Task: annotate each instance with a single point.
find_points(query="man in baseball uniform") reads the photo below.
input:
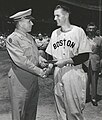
(23, 76)
(69, 48)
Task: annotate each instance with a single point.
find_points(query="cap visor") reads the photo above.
(29, 17)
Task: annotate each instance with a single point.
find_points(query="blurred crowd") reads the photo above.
(42, 42)
(2, 41)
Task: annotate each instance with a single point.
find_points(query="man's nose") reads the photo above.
(31, 23)
(91, 29)
(55, 18)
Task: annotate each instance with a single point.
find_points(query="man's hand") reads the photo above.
(43, 73)
(43, 62)
(48, 70)
(62, 62)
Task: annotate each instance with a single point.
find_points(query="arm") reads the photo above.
(43, 62)
(76, 60)
(18, 57)
(81, 58)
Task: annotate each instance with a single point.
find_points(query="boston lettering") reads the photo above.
(64, 42)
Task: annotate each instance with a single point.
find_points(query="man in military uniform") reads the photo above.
(23, 76)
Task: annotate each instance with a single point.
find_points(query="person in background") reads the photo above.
(42, 44)
(94, 62)
(98, 33)
(26, 61)
(69, 48)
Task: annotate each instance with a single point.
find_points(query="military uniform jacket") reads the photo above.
(25, 57)
(96, 55)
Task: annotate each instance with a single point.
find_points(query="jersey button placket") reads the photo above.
(64, 46)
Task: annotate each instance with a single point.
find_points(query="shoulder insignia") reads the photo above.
(10, 40)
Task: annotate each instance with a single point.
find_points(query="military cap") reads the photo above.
(23, 14)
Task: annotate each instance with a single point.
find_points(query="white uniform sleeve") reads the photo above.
(49, 48)
(84, 45)
(17, 55)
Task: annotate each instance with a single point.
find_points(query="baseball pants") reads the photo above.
(70, 93)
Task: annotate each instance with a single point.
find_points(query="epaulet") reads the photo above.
(18, 35)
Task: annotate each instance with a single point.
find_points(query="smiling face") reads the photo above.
(60, 16)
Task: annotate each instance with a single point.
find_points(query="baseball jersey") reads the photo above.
(68, 44)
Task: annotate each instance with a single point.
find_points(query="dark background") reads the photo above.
(42, 10)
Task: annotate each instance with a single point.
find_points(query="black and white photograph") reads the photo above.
(50, 60)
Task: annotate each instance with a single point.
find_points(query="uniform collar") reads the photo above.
(69, 29)
(21, 32)
(23, 35)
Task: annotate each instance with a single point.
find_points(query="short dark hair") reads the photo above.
(91, 24)
(64, 8)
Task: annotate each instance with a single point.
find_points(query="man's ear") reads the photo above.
(67, 14)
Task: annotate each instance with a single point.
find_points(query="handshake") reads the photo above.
(47, 70)
(47, 66)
